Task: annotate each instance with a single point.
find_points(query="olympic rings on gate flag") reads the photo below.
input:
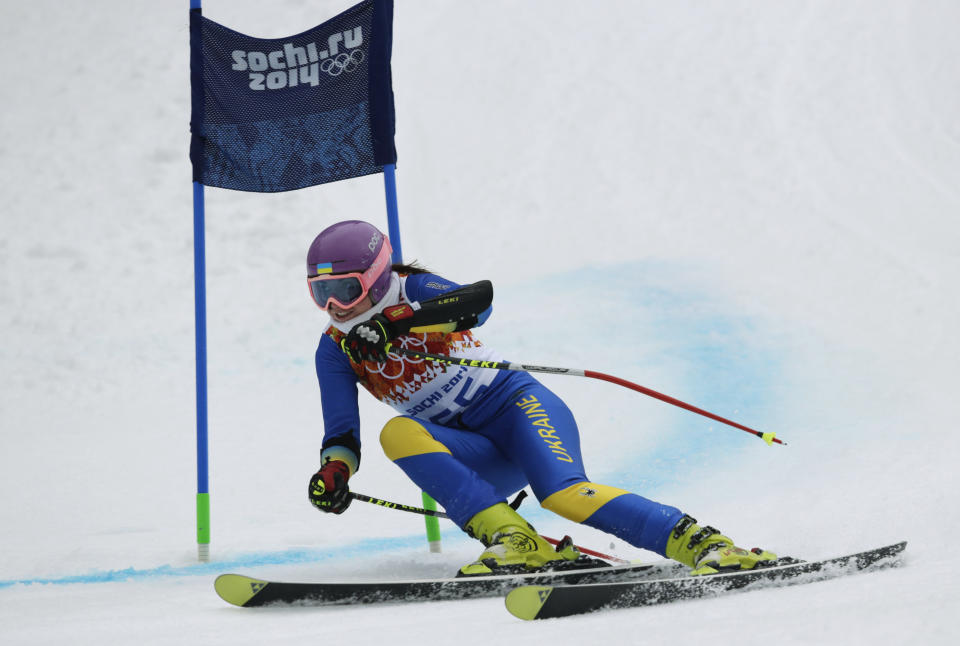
(342, 62)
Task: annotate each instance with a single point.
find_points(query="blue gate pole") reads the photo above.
(200, 326)
(200, 311)
(393, 231)
(393, 218)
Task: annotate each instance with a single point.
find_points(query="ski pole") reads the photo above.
(768, 437)
(396, 505)
(439, 514)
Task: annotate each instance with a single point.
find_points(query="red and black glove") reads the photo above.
(328, 489)
(368, 341)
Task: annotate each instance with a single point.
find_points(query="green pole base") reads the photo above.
(432, 523)
(203, 526)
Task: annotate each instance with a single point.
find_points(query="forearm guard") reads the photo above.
(451, 312)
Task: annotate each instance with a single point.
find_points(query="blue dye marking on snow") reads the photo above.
(725, 365)
(256, 559)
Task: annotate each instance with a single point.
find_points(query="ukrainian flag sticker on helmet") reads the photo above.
(324, 268)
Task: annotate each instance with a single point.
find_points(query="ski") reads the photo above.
(247, 591)
(549, 601)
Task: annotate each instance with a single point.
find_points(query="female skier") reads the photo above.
(468, 436)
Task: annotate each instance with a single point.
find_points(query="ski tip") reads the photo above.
(238, 589)
(526, 601)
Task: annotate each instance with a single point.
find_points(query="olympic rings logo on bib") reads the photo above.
(395, 358)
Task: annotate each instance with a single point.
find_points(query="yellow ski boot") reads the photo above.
(513, 545)
(707, 551)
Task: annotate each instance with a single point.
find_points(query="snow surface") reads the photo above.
(751, 206)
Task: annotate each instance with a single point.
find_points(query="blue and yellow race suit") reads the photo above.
(471, 436)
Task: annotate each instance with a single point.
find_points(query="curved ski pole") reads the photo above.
(768, 437)
(439, 514)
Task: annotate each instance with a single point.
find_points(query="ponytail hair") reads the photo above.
(410, 268)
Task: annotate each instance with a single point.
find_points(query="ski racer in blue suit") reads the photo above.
(467, 435)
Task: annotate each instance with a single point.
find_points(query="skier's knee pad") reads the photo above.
(580, 501)
(402, 437)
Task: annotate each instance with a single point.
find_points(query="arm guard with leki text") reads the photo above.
(453, 311)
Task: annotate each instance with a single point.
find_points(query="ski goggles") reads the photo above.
(346, 290)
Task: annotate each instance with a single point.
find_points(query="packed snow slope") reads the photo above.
(751, 206)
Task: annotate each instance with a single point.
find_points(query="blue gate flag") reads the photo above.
(278, 114)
